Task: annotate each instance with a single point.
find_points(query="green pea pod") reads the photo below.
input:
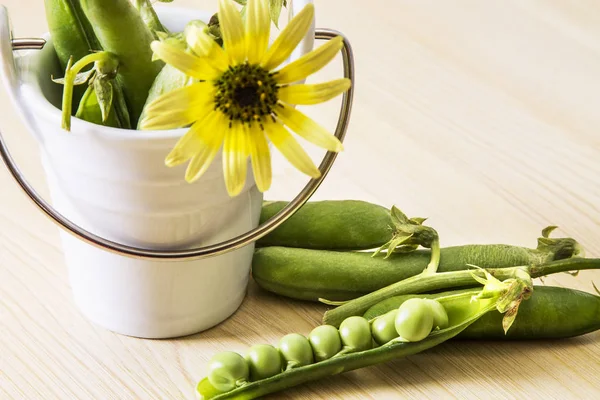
(320, 274)
(462, 312)
(150, 17)
(72, 35)
(427, 282)
(330, 225)
(550, 313)
(122, 32)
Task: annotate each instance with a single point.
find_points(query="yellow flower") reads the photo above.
(240, 99)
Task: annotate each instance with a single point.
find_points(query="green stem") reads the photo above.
(67, 98)
(70, 75)
(566, 265)
(434, 263)
(426, 282)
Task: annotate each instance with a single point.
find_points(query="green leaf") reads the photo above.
(89, 110)
(80, 78)
(149, 16)
(409, 233)
(509, 318)
(406, 248)
(241, 2)
(418, 220)
(399, 219)
(548, 230)
(214, 29)
(104, 93)
(395, 242)
(275, 9)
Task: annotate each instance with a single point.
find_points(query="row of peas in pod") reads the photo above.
(413, 321)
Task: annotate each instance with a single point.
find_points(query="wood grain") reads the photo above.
(481, 115)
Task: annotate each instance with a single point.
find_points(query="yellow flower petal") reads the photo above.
(187, 63)
(179, 107)
(258, 26)
(191, 96)
(313, 94)
(198, 137)
(261, 158)
(307, 128)
(289, 38)
(234, 158)
(204, 46)
(170, 120)
(310, 63)
(232, 29)
(291, 149)
(202, 160)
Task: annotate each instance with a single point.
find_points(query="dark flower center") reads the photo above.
(246, 96)
(246, 93)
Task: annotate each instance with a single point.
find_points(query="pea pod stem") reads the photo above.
(70, 75)
(347, 362)
(426, 282)
(434, 262)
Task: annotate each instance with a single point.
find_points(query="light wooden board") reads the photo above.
(482, 115)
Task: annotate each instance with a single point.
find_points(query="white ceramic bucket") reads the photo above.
(114, 183)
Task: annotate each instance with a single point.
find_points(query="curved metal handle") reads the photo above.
(219, 248)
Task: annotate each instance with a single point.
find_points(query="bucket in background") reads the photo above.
(114, 183)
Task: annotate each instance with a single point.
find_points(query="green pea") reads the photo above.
(414, 320)
(296, 350)
(264, 361)
(383, 328)
(227, 370)
(440, 316)
(356, 334)
(325, 341)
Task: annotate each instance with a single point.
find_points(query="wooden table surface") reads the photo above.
(481, 115)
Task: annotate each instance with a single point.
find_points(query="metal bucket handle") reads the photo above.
(7, 45)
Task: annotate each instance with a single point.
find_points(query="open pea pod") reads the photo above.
(543, 316)
(462, 308)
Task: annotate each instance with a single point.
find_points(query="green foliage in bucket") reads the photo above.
(220, 79)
